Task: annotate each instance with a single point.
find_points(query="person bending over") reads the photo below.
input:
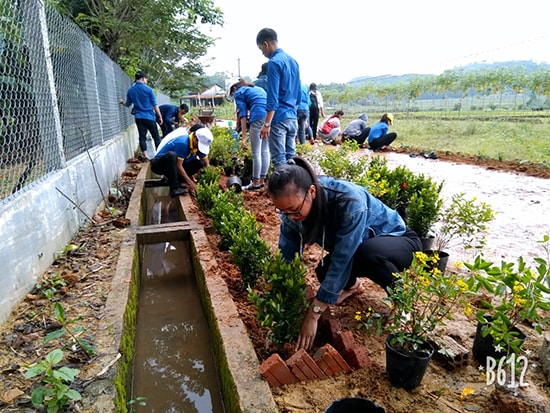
(363, 236)
(182, 157)
(379, 138)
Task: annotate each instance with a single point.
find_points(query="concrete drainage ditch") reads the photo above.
(241, 386)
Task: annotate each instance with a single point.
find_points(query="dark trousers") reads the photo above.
(378, 259)
(314, 121)
(383, 141)
(166, 128)
(302, 120)
(361, 138)
(144, 125)
(165, 164)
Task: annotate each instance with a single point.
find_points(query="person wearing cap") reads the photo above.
(250, 102)
(316, 110)
(182, 157)
(283, 94)
(172, 115)
(379, 138)
(146, 110)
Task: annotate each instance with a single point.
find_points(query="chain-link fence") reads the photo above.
(58, 93)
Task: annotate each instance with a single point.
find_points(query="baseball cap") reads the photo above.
(140, 75)
(205, 138)
(229, 83)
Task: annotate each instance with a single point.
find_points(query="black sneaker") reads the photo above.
(252, 187)
(178, 192)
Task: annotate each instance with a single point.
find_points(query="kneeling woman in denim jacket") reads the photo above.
(364, 237)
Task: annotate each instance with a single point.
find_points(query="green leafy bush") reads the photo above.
(519, 293)
(464, 219)
(249, 251)
(339, 162)
(281, 298)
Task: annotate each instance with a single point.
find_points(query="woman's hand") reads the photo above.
(309, 327)
(307, 333)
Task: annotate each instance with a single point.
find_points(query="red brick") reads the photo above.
(312, 364)
(322, 357)
(304, 367)
(338, 359)
(344, 342)
(271, 379)
(274, 366)
(329, 327)
(358, 357)
(324, 366)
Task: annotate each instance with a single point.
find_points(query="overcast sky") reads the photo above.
(335, 41)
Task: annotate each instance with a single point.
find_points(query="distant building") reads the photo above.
(211, 97)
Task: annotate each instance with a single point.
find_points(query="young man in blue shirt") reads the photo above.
(146, 110)
(283, 95)
(182, 157)
(171, 116)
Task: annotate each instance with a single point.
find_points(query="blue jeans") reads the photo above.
(302, 120)
(282, 144)
(260, 150)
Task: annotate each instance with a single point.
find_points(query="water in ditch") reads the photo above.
(174, 366)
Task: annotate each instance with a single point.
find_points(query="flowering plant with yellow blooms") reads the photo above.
(519, 292)
(420, 299)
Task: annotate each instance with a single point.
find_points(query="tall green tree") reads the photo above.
(161, 37)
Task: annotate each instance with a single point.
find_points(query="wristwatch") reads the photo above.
(316, 309)
(267, 124)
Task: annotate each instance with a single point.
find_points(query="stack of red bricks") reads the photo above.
(341, 355)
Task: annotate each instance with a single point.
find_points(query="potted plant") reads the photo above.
(519, 294)
(421, 299)
(463, 219)
(423, 210)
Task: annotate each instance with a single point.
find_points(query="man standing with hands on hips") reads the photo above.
(283, 94)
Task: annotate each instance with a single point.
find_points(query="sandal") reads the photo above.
(345, 294)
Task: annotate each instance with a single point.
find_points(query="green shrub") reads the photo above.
(249, 250)
(281, 298)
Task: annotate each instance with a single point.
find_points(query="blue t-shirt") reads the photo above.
(169, 113)
(253, 99)
(181, 146)
(378, 130)
(144, 100)
(304, 98)
(283, 86)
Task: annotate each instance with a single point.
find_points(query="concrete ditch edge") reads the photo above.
(243, 388)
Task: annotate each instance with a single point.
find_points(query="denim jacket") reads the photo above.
(353, 216)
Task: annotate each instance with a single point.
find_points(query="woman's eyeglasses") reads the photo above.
(294, 214)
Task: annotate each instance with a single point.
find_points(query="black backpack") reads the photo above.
(314, 103)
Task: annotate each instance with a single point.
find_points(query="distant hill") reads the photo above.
(525, 65)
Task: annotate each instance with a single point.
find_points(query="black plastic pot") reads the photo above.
(235, 183)
(443, 259)
(354, 405)
(484, 346)
(427, 242)
(406, 370)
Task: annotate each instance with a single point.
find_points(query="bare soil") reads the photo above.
(88, 271)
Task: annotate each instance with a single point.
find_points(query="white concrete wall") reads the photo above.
(38, 221)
